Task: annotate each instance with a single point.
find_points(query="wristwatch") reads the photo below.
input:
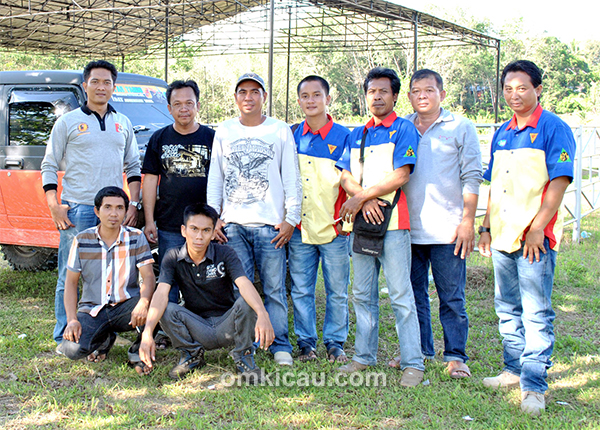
(483, 229)
(137, 205)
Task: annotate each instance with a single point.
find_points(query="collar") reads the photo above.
(183, 253)
(86, 110)
(323, 131)
(119, 239)
(387, 122)
(531, 122)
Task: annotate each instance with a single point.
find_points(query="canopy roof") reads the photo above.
(114, 28)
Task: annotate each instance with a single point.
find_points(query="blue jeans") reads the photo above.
(524, 307)
(395, 260)
(83, 217)
(253, 245)
(97, 331)
(449, 274)
(166, 241)
(304, 264)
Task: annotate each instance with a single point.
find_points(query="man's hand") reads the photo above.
(59, 216)
(139, 313)
(285, 234)
(151, 232)
(220, 232)
(534, 243)
(131, 217)
(73, 331)
(147, 348)
(484, 244)
(371, 211)
(465, 239)
(263, 331)
(351, 208)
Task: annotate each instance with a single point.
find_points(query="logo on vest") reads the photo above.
(215, 272)
(82, 127)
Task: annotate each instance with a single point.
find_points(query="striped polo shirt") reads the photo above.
(388, 146)
(322, 195)
(523, 163)
(109, 273)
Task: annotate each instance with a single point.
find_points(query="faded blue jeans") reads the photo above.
(449, 273)
(253, 245)
(166, 241)
(524, 307)
(304, 264)
(83, 217)
(395, 260)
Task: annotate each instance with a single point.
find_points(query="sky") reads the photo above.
(568, 19)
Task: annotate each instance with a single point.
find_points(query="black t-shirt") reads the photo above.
(182, 163)
(207, 288)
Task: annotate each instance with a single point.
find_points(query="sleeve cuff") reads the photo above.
(49, 187)
(134, 179)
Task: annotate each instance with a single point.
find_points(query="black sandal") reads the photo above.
(336, 355)
(307, 354)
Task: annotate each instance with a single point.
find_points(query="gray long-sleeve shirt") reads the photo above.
(448, 166)
(95, 153)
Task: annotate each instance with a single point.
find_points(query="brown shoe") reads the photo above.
(411, 377)
(353, 366)
(505, 380)
(533, 403)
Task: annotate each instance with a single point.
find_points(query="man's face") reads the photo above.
(520, 94)
(312, 99)
(198, 232)
(111, 213)
(249, 98)
(183, 106)
(99, 86)
(425, 96)
(380, 98)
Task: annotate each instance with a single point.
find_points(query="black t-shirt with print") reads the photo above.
(207, 288)
(181, 162)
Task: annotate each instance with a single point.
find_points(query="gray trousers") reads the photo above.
(192, 333)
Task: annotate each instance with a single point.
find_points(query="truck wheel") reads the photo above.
(30, 258)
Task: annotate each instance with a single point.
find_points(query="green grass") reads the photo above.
(39, 389)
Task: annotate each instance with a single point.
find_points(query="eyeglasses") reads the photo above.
(188, 105)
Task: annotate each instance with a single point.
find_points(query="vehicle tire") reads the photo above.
(30, 258)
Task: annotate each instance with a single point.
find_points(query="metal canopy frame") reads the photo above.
(172, 28)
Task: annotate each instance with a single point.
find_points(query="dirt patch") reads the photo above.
(479, 278)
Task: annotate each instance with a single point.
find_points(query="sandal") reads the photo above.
(101, 353)
(161, 340)
(395, 362)
(458, 369)
(140, 367)
(307, 354)
(336, 355)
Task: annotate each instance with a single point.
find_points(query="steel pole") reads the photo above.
(271, 41)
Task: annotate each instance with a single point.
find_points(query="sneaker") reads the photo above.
(411, 377)
(186, 364)
(248, 369)
(283, 358)
(533, 403)
(503, 380)
(353, 366)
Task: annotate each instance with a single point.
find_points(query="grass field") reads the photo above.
(39, 389)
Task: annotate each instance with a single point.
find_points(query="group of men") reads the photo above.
(264, 195)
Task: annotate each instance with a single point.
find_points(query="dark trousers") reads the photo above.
(98, 333)
(192, 333)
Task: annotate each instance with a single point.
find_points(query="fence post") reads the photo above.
(578, 183)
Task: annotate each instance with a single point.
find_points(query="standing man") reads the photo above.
(319, 236)
(178, 156)
(96, 144)
(109, 259)
(530, 169)
(389, 158)
(211, 317)
(254, 184)
(442, 200)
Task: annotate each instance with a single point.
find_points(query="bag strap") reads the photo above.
(361, 161)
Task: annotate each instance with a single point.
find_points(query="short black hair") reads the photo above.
(176, 85)
(382, 72)
(315, 78)
(427, 73)
(100, 64)
(200, 209)
(110, 192)
(525, 66)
